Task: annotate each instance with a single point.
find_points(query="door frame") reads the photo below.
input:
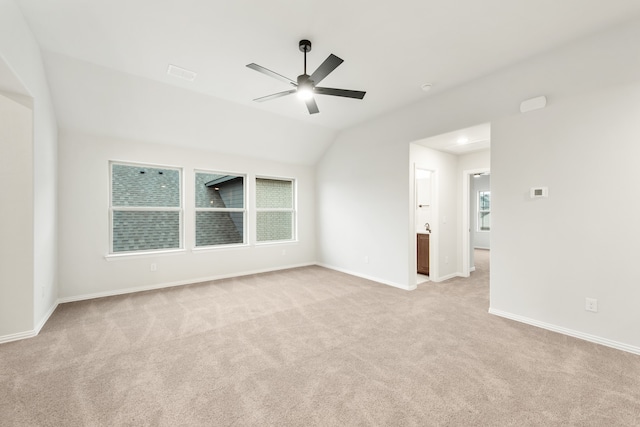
(434, 270)
(466, 218)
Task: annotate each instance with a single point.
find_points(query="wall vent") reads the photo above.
(181, 73)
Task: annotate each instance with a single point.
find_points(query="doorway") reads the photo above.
(425, 217)
(476, 215)
(453, 158)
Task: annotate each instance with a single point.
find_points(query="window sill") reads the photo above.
(276, 242)
(201, 249)
(146, 254)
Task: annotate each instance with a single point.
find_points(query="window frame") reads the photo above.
(481, 211)
(244, 210)
(179, 209)
(293, 209)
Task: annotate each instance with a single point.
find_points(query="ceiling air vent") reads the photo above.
(181, 73)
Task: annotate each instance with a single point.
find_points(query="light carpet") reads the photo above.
(310, 347)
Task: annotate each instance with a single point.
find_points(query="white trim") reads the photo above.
(144, 254)
(434, 239)
(17, 337)
(293, 209)
(32, 333)
(447, 277)
(373, 279)
(180, 209)
(212, 248)
(244, 209)
(177, 283)
(45, 318)
(482, 247)
(472, 269)
(565, 331)
(466, 219)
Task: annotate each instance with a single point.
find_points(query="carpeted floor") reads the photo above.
(306, 347)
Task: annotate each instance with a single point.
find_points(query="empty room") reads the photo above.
(316, 213)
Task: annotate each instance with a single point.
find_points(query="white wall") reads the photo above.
(84, 224)
(16, 217)
(19, 50)
(369, 164)
(481, 239)
(362, 203)
(581, 241)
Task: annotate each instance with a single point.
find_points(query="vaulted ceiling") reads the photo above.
(109, 49)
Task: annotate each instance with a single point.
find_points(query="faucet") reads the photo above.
(427, 227)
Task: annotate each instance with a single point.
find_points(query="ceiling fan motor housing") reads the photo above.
(304, 80)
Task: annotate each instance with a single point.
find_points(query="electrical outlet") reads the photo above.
(366, 259)
(446, 260)
(284, 252)
(591, 304)
(154, 267)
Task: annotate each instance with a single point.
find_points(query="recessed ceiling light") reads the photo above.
(426, 87)
(463, 140)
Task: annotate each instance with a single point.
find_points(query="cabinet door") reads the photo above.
(423, 254)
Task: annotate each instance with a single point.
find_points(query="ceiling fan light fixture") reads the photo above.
(304, 90)
(304, 93)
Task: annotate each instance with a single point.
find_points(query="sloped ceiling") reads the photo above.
(461, 141)
(104, 49)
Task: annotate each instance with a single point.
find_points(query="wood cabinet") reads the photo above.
(423, 254)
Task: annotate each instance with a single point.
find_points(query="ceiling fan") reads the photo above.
(306, 87)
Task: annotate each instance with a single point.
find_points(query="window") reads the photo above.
(484, 210)
(275, 212)
(145, 208)
(220, 209)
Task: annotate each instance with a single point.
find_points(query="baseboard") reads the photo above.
(472, 269)
(32, 333)
(373, 279)
(46, 317)
(17, 337)
(565, 331)
(172, 284)
(447, 277)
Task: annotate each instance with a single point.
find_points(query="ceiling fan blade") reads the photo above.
(312, 106)
(275, 95)
(329, 64)
(339, 92)
(270, 73)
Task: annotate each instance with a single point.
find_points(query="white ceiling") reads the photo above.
(389, 48)
(462, 141)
